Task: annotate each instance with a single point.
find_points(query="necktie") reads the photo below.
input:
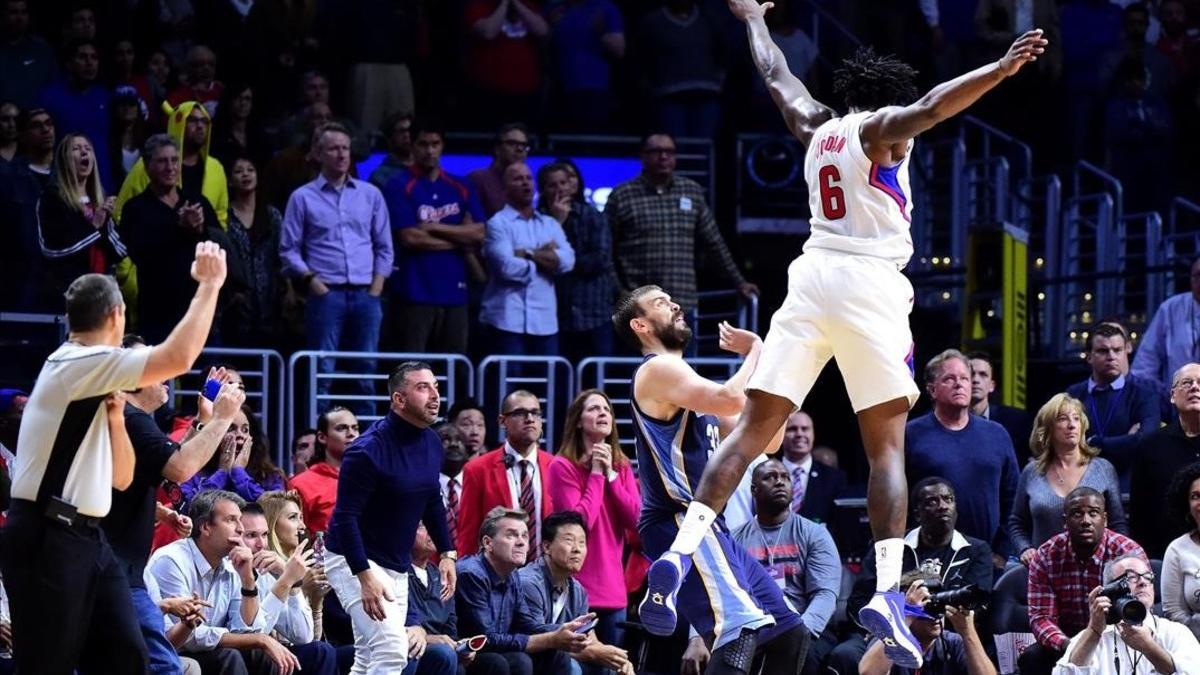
(528, 506)
(452, 507)
(797, 488)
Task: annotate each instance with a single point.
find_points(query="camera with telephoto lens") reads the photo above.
(1124, 607)
(965, 598)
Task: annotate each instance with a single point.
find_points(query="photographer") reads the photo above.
(958, 653)
(1127, 647)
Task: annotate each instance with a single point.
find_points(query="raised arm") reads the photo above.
(802, 113)
(891, 126)
(179, 351)
(670, 380)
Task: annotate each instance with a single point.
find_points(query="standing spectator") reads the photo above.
(1015, 421)
(659, 221)
(1062, 460)
(302, 450)
(337, 245)
(587, 292)
(155, 83)
(683, 61)
(511, 146)
(453, 461)
(253, 316)
(127, 132)
(22, 182)
(79, 104)
(26, 62)
(587, 37)
(1138, 133)
(8, 132)
(593, 477)
(502, 58)
(491, 602)
(202, 84)
(236, 131)
(438, 227)
(798, 551)
(1161, 455)
(1170, 341)
(388, 484)
(975, 455)
(1091, 29)
(75, 224)
(216, 566)
(243, 464)
(296, 165)
(815, 486)
(1180, 40)
(1063, 571)
(1121, 409)
(1181, 563)
(524, 250)
(59, 570)
(382, 38)
(397, 133)
(467, 417)
(199, 172)
(12, 408)
(554, 596)
(514, 475)
(431, 615)
(160, 227)
(1135, 23)
(336, 430)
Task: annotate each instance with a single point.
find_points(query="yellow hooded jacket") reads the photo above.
(214, 188)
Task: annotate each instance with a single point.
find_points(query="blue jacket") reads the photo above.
(537, 585)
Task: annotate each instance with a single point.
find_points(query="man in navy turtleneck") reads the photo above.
(388, 485)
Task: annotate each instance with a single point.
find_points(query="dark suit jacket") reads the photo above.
(425, 606)
(485, 486)
(1018, 424)
(825, 484)
(1161, 454)
(1136, 402)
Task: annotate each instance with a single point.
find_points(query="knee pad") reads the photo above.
(738, 654)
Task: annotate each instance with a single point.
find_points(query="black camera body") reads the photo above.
(1124, 607)
(965, 598)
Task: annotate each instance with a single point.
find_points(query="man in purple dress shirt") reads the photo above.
(337, 244)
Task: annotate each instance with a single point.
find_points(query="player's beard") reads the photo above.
(673, 337)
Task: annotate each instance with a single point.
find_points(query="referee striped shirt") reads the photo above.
(66, 414)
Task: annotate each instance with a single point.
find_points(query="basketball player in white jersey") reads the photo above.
(847, 299)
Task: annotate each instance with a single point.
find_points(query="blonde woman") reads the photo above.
(76, 230)
(1062, 461)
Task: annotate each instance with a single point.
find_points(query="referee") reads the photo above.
(70, 600)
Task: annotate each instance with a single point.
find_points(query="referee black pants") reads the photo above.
(69, 597)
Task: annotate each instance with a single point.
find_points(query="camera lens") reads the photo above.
(1129, 610)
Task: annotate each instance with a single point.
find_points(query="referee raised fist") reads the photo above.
(209, 265)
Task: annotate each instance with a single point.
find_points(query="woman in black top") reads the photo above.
(252, 317)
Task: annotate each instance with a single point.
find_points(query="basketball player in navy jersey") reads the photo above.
(847, 299)
(679, 417)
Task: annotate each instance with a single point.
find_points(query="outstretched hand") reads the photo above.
(1024, 50)
(747, 10)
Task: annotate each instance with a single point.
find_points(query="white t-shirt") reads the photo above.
(66, 407)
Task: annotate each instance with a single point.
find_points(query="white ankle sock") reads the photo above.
(889, 559)
(696, 523)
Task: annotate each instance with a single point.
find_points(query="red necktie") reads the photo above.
(452, 508)
(528, 506)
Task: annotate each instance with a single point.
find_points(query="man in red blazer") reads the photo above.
(509, 476)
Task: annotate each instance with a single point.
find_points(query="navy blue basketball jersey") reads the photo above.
(671, 457)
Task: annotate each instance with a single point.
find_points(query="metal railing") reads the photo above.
(731, 306)
(550, 378)
(987, 191)
(985, 142)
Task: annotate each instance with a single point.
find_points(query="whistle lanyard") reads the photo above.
(1102, 425)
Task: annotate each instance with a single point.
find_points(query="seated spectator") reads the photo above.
(593, 477)
(1135, 24)
(432, 624)
(586, 293)
(80, 23)
(128, 132)
(936, 547)
(336, 430)
(8, 131)
(1161, 455)
(1062, 461)
(242, 465)
(490, 602)
(683, 57)
(1180, 40)
(1062, 573)
(1121, 408)
(1164, 646)
(215, 565)
(199, 172)
(511, 145)
(438, 227)
(451, 476)
(161, 227)
(290, 583)
(252, 317)
(382, 40)
(75, 224)
(467, 417)
(957, 653)
(397, 132)
(202, 85)
(975, 455)
(1181, 563)
(12, 409)
(524, 251)
(814, 485)
(554, 595)
(79, 103)
(236, 131)
(798, 551)
(587, 39)
(502, 58)
(302, 450)
(26, 60)
(1015, 421)
(1169, 343)
(488, 479)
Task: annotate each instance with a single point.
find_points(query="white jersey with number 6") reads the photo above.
(858, 207)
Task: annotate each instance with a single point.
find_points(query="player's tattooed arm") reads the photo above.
(801, 111)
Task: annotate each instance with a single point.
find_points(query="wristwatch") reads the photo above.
(452, 555)
(252, 593)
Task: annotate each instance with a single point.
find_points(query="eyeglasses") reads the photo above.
(1132, 577)
(1187, 383)
(516, 145)
(532, 413)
